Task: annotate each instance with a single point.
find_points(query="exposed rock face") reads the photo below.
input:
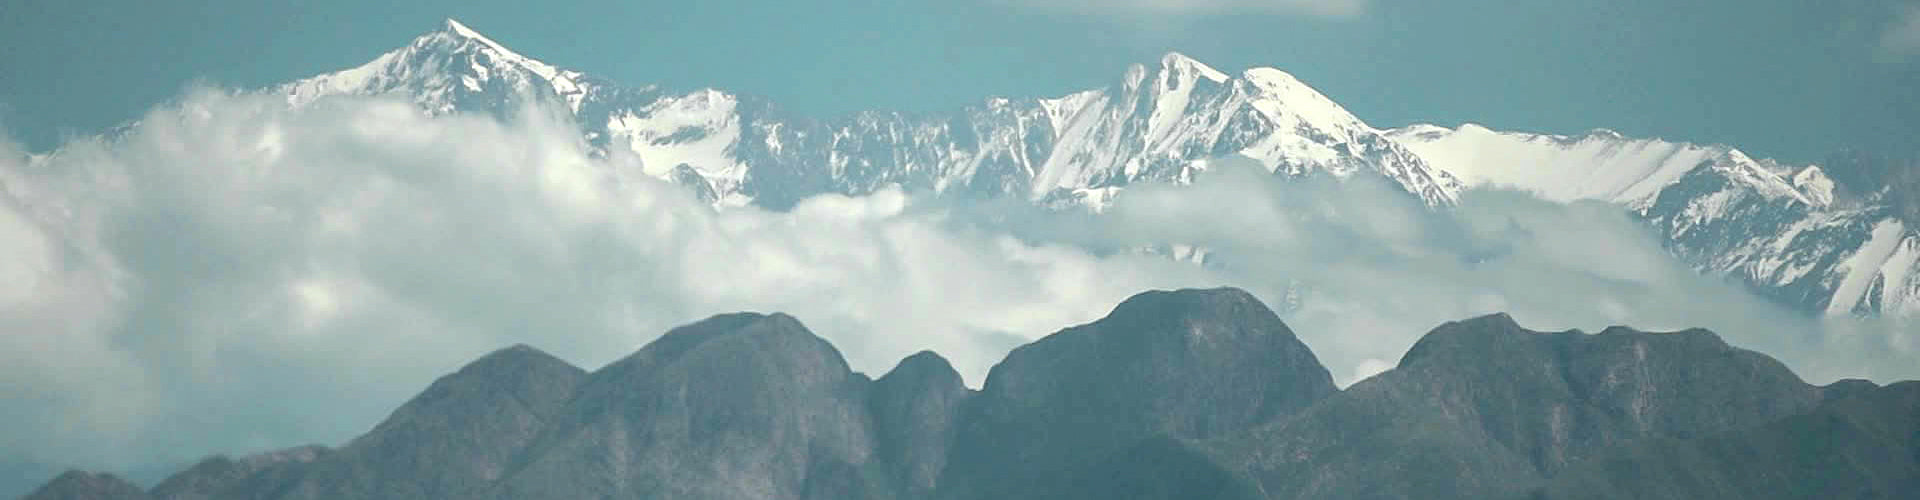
(690, 178)
(1184, 364)
(915, 408)
(735, 406)
(456, 437)
(82, 485)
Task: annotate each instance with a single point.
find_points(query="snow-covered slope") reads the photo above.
(1778, 228)
(451, 69)
(1077, 149)
(1602, 165)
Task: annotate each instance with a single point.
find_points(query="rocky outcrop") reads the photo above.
(1190, 364)
(735, 406)
(916, 408)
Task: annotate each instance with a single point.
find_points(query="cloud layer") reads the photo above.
(235, 275)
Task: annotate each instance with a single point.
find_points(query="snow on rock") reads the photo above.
(1866, 264)
(1777, 228)
(446, 71)
(1901, 291)
(1600, 165)
(1814, 183)
(1594, 167)
(696, 129)
(1148, 127)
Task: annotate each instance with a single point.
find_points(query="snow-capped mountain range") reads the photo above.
(1784, 230)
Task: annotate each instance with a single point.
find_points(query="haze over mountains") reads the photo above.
(1790, 232)
(1181, 394)
(249, 270)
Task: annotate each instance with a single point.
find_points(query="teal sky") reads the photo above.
(1790, 79)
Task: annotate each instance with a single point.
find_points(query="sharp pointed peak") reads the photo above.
(1175, 61)
(457, 35)
(460, 31)
(454, 26)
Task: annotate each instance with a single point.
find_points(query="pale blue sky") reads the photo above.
(1792, 79)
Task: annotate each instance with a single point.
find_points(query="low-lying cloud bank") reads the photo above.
(234, 275)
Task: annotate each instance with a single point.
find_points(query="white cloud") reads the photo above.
(1325, 8)
(234, 275)
(1363, 270)
(1903, 35)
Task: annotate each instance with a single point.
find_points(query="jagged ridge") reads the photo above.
(1785, 231)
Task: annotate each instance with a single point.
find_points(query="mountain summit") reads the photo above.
(1150, 125)
(1786, 231)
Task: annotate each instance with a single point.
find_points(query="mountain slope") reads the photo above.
(916, 407)
(1787, 232)
(1861, 446)
(1481, 408)
(461, 432)
(1790, 233)
(1188, 364)
(1148, 126)
(735, 406)
(79, 485)
(224, 477)
(1180, 394)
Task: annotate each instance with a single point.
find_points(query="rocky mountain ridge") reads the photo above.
(1785, 231)
(1175, 394)
(1150, 125)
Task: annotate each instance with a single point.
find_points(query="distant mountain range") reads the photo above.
(1790, 232)
(1175, 394)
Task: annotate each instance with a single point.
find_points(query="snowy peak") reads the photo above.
(1175, 63)
(1157, 121)
(454, 68)
(500, 52)
(455, 28)
(1080, 149)
(1279, 94)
